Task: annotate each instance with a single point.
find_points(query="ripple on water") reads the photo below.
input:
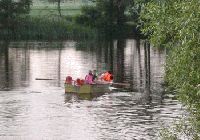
(39, 109)
(111, 116)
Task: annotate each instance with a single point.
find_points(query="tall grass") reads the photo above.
(44, 28)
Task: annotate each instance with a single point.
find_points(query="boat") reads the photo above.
(87, 88)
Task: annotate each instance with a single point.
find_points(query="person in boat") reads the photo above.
(95, 77)
(68, 80)
(107, 76)
(89, 78)
(79, 82)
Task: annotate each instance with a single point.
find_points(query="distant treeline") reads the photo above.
(29, 28)
(108, 18)
(62, 1)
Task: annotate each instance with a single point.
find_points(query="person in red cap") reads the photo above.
(68, 80)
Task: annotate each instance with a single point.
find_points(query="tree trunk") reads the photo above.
(120, 12)
(59, 9)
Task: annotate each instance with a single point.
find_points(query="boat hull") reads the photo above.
(95, 88)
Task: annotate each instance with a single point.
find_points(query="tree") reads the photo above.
(121, 6)
(113, 10)
(11, 9)
(135, 7)
(175, 24)
(59, 8)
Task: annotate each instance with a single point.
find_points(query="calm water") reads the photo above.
(39, 109)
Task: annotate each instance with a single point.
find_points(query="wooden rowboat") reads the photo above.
(86, 88)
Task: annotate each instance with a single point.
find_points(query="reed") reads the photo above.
(46, 28)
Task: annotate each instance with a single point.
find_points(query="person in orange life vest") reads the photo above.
(82, 82)
(79, 82)
(89, 78)
(107, 76)
(68, 80)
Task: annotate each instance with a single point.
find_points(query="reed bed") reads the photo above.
(46, 28)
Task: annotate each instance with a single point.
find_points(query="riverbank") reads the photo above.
(61, 28)
(48, 21)
(45, 28)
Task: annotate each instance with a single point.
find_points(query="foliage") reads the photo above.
(175, 24)
(112, 11)
(171, 21)
(108, 16)
(134, 9)
(184, 128)
(41, 28)
(183, 73)
(11, 9)
(90, 16)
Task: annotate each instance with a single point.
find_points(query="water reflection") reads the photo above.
(39, 109)
(23, 62)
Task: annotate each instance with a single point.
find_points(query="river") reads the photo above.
(38, 109)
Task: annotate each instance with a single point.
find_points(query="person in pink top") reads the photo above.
(89, 78)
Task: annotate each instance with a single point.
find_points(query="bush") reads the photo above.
(90, 16)
(175, 24)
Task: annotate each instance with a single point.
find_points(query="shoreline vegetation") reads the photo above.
(178, 31)
(171, 24)
(56, 28)
(45, 28)
(44, 22)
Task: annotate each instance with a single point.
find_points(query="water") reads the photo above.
(39, 109)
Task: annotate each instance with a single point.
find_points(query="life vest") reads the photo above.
(82, 82)
(79, 82)
(107, 77)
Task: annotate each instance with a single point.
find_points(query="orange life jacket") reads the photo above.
(107, 77)
(80, 82)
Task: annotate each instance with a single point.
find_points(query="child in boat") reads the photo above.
(89, 78)
(79, 82)
(95, 77)
(68, 80)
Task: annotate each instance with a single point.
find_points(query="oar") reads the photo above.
(121, 84)
(43, 79)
